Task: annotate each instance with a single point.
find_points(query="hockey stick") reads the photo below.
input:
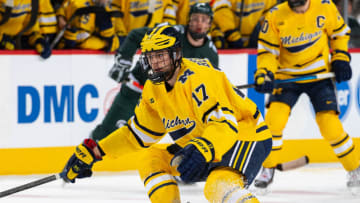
(29, 185)
(297, 163)
(308, 77)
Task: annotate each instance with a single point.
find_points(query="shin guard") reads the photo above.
(332, 130)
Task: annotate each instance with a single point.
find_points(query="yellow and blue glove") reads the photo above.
(81, 162)
(342, 70)
(233, 38)
(6, 42)
(264, 80)
(195, 157)
(43, 48)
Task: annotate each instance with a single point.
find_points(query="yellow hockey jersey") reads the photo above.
(87, 34)
(292, 44)
(19, 19)
(202, 103)
(177, 11)
(227, 14)
(141, 13)
(47, 18)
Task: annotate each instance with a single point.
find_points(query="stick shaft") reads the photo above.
(29, 185)
(309, 77)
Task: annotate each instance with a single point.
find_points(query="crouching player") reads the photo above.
(220, 133)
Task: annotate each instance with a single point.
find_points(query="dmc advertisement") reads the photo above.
(58, 102)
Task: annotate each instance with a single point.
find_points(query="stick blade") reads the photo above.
(294, 164)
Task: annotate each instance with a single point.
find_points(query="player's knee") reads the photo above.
(277, 117)
(330, 125)
(162, 188)
(227, 185)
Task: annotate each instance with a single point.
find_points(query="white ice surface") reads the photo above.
(315, 183)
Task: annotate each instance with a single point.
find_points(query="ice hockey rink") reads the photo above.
(315, 183)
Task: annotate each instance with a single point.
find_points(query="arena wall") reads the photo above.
(49, 106)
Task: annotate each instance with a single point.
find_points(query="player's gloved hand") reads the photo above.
(69, 39)
(6, 42)
(121, 68)
(81, 162)
(195, 157)
(264, 80)
(43, 48)
(233, 38)
(342, 70)
(219, 42)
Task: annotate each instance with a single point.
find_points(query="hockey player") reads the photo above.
(238, 22)
(294, 42)
(19, 22)
(175, 10)
(221, 134)
(196, 44)
(141, 13)
(90, 31)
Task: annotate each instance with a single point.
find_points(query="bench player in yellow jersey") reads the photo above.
(294, 41)
(222, 136)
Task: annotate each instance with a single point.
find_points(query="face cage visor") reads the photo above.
(159, 77)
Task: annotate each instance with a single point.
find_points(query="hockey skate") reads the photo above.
(264, 180)
(353, 182)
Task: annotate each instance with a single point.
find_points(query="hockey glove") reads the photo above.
(195, 158)
(342, 70)
(264, 81)
(69, 39)
(81, 162)
(233, 38)
(6, 42)
(121, 68)
(43, 48)
(219, 42)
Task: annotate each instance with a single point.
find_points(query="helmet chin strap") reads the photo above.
(197, 36)
(296, 3)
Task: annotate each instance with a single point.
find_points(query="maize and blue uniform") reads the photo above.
(124, 103)
(228, 17)
(297, 44)
(202, 103)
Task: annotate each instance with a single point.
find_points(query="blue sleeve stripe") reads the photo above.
(137, 137)
(228, 123)
(146, 129)
(261, 129)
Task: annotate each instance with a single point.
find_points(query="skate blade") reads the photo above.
(355, 191)
(260, 191)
